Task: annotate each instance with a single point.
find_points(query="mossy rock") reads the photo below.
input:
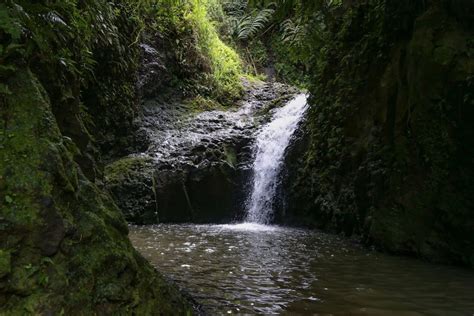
(124, 168)
(131, 182)
(5, 263)
(201, 104)
(64, 242)
(390, 132)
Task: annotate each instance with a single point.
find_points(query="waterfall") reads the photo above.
(269, 150)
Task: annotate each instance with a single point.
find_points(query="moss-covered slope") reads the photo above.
(390, 131)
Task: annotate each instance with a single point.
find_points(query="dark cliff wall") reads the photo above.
(67, 93)
(390, 143)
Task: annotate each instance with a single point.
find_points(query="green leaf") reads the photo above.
(8, 199)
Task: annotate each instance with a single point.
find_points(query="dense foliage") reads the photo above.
(85, 55)
(277, 38)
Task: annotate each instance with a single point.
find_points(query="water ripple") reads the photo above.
(259, 269)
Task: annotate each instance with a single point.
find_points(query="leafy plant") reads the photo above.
(225, 62)
(250, 24)
(293, 31)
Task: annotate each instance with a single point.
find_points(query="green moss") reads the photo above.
(123, 168)
(5, 263)
(387, 147)
(195, 60)
(273, 104)
(254, 79)
(200, 104)
(94, 269)
(19, 161)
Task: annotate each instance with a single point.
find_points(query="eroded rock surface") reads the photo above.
(195, 167)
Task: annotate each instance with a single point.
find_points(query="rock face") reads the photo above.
(67, 100)
(64, 245)
(390, 134)
(196, 167)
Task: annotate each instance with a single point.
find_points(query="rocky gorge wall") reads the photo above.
(64, 241)
(67, 99)
(388, 143)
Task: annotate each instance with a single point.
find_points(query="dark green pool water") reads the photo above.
(257, 269)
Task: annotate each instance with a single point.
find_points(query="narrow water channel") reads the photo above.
(258, 269)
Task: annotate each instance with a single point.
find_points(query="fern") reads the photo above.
(250, 24)
(234, 8)
(293, 32)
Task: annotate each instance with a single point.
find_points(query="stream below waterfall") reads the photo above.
(258, 269)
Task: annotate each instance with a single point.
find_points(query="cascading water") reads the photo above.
(269, 150)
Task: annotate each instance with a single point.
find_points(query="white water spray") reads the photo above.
(269, 151)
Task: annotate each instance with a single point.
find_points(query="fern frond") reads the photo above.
(249, 25)
(293, 32)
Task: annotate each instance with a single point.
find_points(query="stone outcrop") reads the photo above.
(196, 165)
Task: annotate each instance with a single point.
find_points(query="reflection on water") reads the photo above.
(258, 269)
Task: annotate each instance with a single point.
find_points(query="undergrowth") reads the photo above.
(72, 40)
(226, 65)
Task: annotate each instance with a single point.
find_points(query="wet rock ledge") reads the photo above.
(194, 166)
